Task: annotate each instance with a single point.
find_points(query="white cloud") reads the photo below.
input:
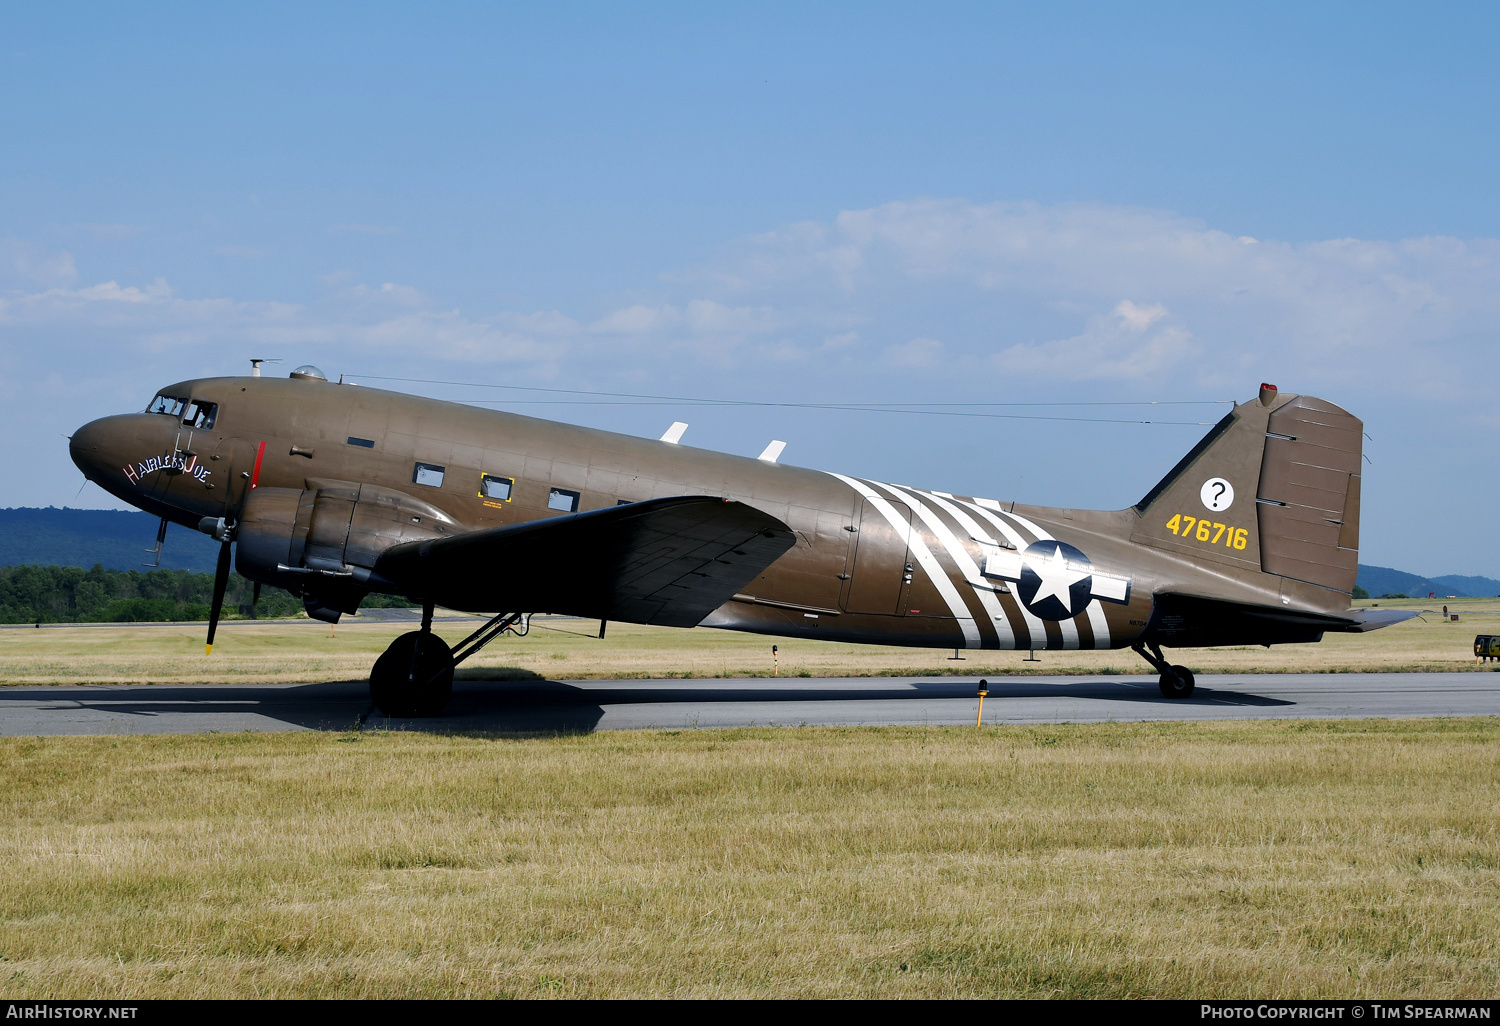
(1050, 293)
(1117, 345)
(918, 352)
(638, 320)
(1020, 274)
(403, 294)
(24, 263)
(542, 322)
(709, 317)
(1139, 318)
(153, 319)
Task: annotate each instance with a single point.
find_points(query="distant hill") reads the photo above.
(118, 540)
(1381, 580)
(83, 537)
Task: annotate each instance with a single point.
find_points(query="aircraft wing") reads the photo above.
(662, 561)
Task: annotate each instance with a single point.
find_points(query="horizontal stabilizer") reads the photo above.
(1374, 619)
(662, 561)
(1191, 621)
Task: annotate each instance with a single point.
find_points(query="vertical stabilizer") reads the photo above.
(1273, 489)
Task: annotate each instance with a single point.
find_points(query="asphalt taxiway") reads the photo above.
(580, 706)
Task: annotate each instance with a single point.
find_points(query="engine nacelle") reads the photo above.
(322, 542)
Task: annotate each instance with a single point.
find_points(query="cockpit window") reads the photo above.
(200, 414)
(170, 405)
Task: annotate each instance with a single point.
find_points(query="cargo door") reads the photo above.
(880, 578)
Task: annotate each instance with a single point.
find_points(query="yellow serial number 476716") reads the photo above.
(1206, 531)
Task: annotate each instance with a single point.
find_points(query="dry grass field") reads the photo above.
(306, 651)
(1231, 859)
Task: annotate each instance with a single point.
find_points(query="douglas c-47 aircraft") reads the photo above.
(334, 491)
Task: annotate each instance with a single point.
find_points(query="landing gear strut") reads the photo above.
(414, 677)
(1176, 681)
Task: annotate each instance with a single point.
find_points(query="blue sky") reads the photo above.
(955, 203)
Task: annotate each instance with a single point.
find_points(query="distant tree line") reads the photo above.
(70, 594)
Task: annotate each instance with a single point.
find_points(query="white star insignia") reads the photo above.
(1057, 578)
(1057, 575)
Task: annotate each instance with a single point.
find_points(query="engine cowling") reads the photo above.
(322, 542)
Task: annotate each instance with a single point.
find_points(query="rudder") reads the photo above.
(1308, 499)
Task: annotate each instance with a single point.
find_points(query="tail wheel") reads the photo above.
(1177, 684)
(414, 677)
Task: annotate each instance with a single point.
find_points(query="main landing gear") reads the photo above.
(414, 676)
(1176, 681)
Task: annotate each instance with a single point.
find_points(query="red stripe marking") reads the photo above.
(260, 454)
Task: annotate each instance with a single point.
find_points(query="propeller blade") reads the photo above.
(221, 581)
(255, 601)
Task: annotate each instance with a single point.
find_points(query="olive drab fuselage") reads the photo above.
(872, 561)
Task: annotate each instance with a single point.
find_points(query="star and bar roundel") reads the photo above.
(1055, 580)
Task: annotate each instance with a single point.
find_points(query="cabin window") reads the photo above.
(170, 405)
(492, 487)
(367, 443)
(427, 474)
(562, 499)
(200, 414)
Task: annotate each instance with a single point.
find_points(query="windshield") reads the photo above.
(194, 412)
(170, 405)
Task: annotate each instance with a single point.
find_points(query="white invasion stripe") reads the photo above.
(975, 577)
(918, 548)
(961, 557)
(1033, 622)
(1095, 610)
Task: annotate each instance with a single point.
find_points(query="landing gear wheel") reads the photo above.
(1178, 683)
(414, 677)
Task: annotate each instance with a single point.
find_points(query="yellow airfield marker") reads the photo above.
(984, 689)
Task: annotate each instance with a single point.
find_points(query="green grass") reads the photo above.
(1265, 859)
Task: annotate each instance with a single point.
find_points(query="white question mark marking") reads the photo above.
(1217, 494)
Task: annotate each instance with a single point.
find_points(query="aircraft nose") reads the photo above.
(106, 451)
(84, 446)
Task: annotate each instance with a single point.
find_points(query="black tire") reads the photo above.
(1177, 684)
(413, 677)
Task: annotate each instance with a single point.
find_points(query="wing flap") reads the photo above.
(663, 561)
